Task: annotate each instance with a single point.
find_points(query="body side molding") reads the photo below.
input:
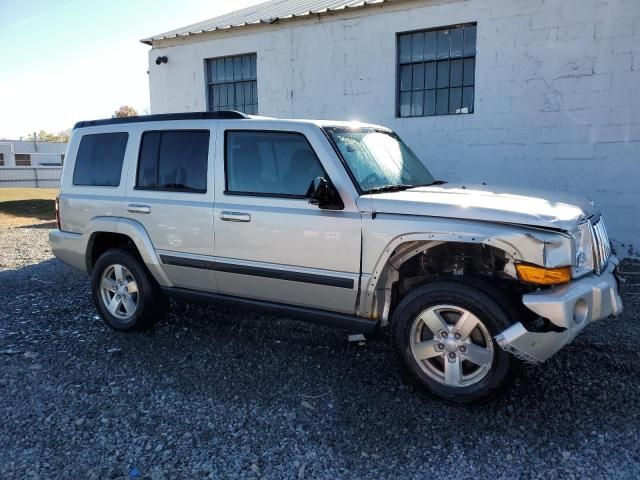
(327, 280)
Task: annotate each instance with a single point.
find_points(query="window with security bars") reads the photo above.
(232, 83)
(436, 71)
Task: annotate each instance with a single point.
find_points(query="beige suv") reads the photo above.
(337, 223)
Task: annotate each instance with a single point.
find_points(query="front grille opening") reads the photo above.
(601, 245)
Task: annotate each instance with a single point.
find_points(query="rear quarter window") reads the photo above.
(99, 159)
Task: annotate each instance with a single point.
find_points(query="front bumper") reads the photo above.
(570, 308)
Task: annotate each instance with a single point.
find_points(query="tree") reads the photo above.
(44, 136)
(125, 111)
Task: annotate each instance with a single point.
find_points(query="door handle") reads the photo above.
(136, 208)
(235, 217)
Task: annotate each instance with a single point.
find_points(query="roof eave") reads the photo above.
(326, 11)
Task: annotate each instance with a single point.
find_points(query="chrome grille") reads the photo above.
(601, 245)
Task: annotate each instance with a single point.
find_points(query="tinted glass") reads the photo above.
(405, 78)
(455, 100)
(469, 71)
(418, 76)
(270, 163)
(99, 159)
(434, 69)
(467, 99)
(443, 44)
(442, 101)
(232, 83)
(443, 74)
(430, 102)
(404, 48)
(174, 160)
(237, 68)
(417, 46)
(417, 100)
(470, 40)
(430, 75)
(430, 45)
(405, 104)
(456, 73)
(456, 42)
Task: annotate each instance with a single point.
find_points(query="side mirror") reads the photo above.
(323, 194)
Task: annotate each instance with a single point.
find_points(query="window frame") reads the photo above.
(435, 61)
(28, 158)
(209, 83)
(124, 159)
(264, 194)
(175, 190)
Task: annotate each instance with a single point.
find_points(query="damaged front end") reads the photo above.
(566, 310)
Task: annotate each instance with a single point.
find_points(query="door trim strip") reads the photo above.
(276, 274)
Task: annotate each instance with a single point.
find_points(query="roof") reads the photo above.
(266, 13)
(218, 115)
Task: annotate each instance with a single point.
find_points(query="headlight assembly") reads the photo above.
(584, 262)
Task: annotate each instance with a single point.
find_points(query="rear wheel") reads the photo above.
(125, 294)
(445, 333)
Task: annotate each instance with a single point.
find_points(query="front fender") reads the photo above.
(384, 248)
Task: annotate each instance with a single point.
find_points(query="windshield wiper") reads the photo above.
(435, 182)
(402, 186)
(389, 188)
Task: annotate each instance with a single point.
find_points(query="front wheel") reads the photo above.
(445, 333)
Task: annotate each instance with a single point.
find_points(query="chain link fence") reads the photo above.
(30, 177)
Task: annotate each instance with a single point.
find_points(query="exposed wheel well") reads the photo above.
(100, 242)
(416, 263)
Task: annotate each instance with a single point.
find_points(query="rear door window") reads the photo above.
(99, 159)
(173, 160)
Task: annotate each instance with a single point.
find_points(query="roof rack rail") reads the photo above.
(217, 115)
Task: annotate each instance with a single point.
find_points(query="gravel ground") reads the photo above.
(217, 393)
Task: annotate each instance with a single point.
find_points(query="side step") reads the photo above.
(322, 317)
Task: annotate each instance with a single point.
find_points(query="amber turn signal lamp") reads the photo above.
(543, 276)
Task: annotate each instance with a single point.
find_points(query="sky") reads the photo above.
(69, 60)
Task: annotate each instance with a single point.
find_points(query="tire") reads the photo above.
(134, 310)
(435, 359)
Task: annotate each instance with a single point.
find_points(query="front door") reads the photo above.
(270, 243)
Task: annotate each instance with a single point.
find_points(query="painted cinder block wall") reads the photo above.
(557, 99)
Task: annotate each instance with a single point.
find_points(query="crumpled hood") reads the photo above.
(489, 203)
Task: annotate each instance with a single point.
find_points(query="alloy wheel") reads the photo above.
(119, 291)
(452, 345)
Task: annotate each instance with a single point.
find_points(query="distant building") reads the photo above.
(24, 153)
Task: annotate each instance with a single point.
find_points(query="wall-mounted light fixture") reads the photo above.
(160, 60)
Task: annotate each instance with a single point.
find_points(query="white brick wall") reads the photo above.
(557, 90)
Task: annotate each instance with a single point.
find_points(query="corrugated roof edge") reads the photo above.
(219, 115)
(185, 32)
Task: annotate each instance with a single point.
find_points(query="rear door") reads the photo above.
(170, 192)
(270, 243)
